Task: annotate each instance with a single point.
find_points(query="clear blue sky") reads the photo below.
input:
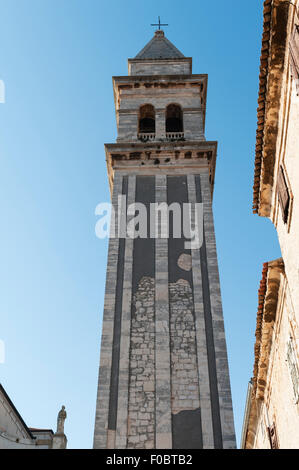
(57, 60)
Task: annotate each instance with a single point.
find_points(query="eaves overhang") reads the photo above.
(161, 156)
(273, 65)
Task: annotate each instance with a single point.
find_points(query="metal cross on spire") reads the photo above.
(159, 23)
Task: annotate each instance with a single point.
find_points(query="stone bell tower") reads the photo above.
(163, 378)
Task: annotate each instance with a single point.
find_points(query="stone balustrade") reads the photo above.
(146, 136)
(151, 136)
(174, 135)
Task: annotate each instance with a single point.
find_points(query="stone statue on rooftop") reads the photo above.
(60, 420)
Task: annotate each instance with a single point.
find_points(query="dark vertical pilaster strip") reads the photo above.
(162, 346)
(141, 417)
(123, 380)
(186, 424)
(113, 402)
(144, 248)
(202, 357)
(209, 334)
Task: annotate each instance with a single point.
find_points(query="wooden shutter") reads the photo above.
(273, 437)
(283, 195)
(294, 51)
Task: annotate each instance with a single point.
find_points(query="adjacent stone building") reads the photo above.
(163, 378)
(15, 434)
(272, 409)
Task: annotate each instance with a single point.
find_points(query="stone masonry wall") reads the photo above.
(142, 368)
(184, 377)
(175, 67)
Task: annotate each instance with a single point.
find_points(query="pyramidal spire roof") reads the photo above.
(159, 47)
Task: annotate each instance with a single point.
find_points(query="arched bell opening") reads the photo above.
(174, 118)
(147, 121)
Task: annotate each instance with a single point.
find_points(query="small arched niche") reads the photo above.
(147, 124)
(174, 118)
